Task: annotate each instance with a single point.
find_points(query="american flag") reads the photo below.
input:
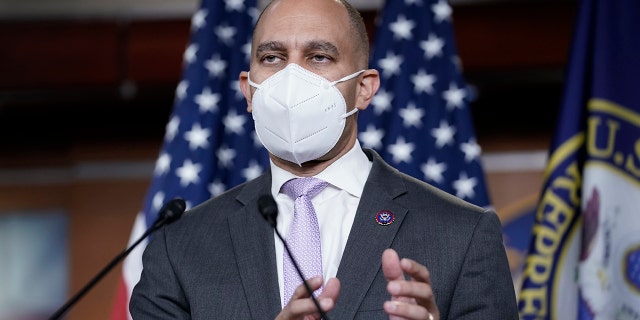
(419, 121)
(209, 143)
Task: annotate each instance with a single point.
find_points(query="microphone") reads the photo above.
(170, 212)
(269, 210)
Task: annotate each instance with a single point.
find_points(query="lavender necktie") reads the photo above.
(303, 238)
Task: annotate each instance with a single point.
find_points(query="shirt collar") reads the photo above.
(345, 173)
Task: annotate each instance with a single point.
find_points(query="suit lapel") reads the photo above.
(255, 260)
(368, 239)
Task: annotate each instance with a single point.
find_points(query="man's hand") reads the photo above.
(410, 299)
(301, 305)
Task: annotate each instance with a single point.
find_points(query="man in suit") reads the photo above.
(307, 80)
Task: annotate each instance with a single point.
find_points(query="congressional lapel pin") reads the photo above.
(384, 217)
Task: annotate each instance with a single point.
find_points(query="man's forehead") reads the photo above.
(323, 13)
(320, 25)
(294, 35)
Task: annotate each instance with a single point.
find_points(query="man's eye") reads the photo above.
(270, 59)
(320, 58)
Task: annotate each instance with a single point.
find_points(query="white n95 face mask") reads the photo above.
(299, 116)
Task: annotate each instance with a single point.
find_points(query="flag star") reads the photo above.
(246, 49)
(207, 101)
(423, 82)
(464, 186)
(216, 66)
(234, 122)
(432, 46)
(402, 28)
(433, 170)
(158, 201)
(401, 150)
(190, 53)
(372, 137)
(162, 164)
(181, 89)
(410, 2)
(254, 13)
(199, 19)
(216, 187)
(390, 64)
(381, 101)
(443, 134)
(235, 86)
(441, 10)
(256, 139)
(225, 33)
(471, 150)
(225, 156)
(197, 137)
(189, 172)
(252, 171)
(237, 5)
(171, 128)
(411, 116)
(454, 96)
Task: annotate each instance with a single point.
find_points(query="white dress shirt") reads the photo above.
(335, 207)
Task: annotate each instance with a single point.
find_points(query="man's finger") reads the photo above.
(391, 265)
(300, 305)
(301, 291)
(331, 289)
(417, 271)
(410, 289)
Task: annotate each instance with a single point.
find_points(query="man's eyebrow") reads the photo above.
(324, 46)
(269, 46)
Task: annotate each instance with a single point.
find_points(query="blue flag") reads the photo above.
(209, 145)
(584, 257)
(419, 121)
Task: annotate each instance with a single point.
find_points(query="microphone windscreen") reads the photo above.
(268, 208)
(173, 209)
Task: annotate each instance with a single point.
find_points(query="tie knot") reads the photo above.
(308, 186)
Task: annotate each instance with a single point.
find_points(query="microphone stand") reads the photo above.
(165, 216)
(323, 315)
(269, 210)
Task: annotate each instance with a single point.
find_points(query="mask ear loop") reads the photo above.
(349, 77)
(251, 83)
(349, 113)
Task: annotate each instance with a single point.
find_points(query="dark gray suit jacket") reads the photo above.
(218, 261)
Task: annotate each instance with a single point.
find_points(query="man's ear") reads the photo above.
(245, 88)
(367, 88)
